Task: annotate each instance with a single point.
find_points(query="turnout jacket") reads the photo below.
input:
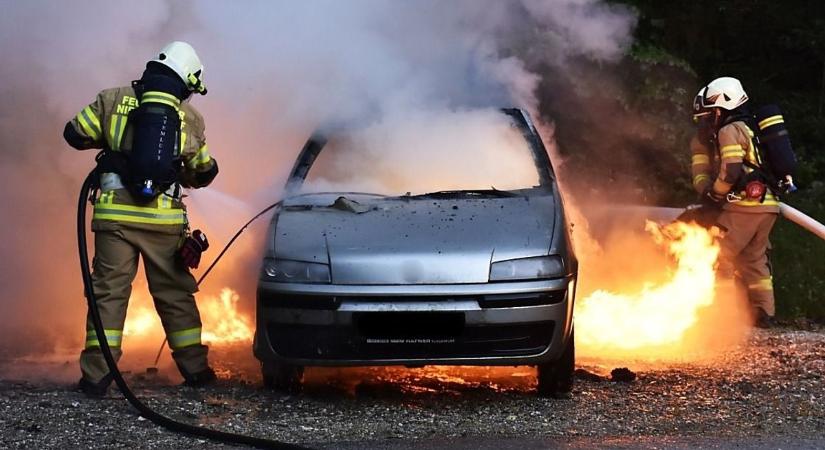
(104, 124)
(721, 168)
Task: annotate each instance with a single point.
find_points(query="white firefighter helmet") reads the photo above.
(725, 92)
(181, 57)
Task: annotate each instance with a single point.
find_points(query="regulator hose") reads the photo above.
(145, 411)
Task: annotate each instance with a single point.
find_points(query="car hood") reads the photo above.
(415, 241)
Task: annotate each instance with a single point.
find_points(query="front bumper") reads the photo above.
(513, 323)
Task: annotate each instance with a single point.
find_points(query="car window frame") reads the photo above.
(316, 142)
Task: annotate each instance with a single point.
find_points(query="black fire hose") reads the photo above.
(145, 411)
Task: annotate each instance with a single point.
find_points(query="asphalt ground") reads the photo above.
(769, 393)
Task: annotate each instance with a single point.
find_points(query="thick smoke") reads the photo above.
(275, 71)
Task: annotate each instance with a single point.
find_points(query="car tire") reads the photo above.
(282, 377)
(555, 379)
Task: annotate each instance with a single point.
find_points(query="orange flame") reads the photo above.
(141, 321)
(223, 322)
(655, 322)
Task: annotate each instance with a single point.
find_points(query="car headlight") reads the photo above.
(527, 269)
(286, 271)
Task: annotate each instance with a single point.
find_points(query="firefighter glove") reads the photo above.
(193, 246)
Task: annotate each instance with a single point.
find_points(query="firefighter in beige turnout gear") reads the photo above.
(719, 150)
(126, 229)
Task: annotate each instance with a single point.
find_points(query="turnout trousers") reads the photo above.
(744, 252)
(117, 251)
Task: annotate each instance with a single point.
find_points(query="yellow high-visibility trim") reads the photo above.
(106, 198)
(182, 141)
(200, 158)
(159, 100)
(772, 120)
(116, 128)
(90, 114)
(700, 178)
(132, 219)
(114, 338)
(764, 284)
(161, 95)
(139, 214)
(732, 151)
(184, 338)
(700, 159)
(770, 200)
(145, 209)
(203, 155)
(89, 122)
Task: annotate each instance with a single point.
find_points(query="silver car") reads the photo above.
(451, 277)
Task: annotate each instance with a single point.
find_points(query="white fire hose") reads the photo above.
(803, 220)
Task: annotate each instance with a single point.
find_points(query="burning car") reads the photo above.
(470, 275)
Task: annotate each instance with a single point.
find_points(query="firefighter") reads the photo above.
(127, 226)
(724, 158)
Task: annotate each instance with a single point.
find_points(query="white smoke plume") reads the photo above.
(275, 70)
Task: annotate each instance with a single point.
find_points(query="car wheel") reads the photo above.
(282, 377)
(555, 379)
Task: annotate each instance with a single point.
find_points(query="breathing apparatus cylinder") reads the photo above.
(775, 144)
(155, 156)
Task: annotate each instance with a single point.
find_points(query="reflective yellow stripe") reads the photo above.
(89, 122)
(160, 97)
(106, 198)
(159, 100)
(772, 120)
(770, 200)
(700, 178)
(138, 214)
(113, 337)
(117, 124)
(765, 284)
(201, 157)
(732, 151)
(184, 338)
(700, 159)
(182, 141)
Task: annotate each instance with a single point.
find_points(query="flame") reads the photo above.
(659, 319)
(141, 321)
(223, 322)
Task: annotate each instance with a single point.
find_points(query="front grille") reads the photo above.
(424, 335)
(297, 301)
(515, 300)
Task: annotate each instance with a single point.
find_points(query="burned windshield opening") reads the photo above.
(481, 150)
